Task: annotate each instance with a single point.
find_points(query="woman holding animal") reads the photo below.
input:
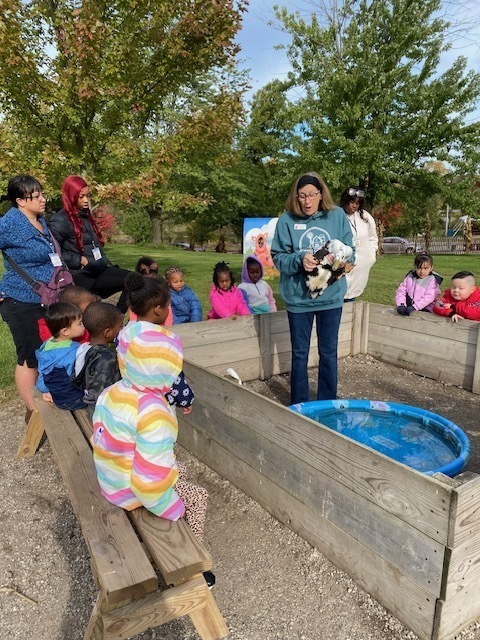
(303, 236)
(365, 238)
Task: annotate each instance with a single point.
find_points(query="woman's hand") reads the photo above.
(309, 262)
(84, 261)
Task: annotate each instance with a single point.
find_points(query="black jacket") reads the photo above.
(62, 229)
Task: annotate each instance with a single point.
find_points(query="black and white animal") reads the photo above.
(326, 274)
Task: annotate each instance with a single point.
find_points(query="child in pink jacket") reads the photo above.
(225, 299)
(420, 288)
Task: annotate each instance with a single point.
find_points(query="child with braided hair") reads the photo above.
(185, 305)
(226, 299)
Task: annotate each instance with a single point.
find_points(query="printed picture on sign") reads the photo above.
(257, 239)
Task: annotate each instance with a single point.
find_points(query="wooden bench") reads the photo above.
(126, 548)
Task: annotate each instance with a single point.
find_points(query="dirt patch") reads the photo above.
(270, 583)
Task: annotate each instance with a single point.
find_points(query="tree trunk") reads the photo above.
(155, 213)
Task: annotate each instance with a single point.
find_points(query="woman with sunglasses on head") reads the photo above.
(25, 239)
(365, 238)
(312, 219)
(82, 245)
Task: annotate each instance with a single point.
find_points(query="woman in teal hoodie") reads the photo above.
(311, 220)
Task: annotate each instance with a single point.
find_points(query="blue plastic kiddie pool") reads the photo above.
(420, 439)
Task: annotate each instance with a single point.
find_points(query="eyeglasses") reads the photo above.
(356, 192)
(308, 196)
(37, 197)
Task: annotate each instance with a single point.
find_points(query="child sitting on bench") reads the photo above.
(96, 366)
(56, 356)
(134, 427)
(81, 298)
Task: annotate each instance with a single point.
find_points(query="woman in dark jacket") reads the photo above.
(82, 245)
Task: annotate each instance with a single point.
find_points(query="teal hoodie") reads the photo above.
(297, 235)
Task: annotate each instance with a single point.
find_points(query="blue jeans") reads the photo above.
(328, 324)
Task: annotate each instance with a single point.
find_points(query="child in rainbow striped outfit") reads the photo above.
(134, 427)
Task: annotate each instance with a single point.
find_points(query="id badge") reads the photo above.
(55, 259)
(97, 254)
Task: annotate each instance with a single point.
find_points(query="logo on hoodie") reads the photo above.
(313, 239)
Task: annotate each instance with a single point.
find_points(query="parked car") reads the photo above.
(186, 246)
(395, 244)
(181, 245)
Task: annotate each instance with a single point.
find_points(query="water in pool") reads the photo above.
(407, 440)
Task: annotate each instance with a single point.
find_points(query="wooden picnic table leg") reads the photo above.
(96, 629)
(208, 621)
(32, 437)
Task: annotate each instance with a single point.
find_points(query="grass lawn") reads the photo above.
(385, 277)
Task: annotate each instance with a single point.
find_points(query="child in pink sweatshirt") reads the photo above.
(225, 299)
(420, 288)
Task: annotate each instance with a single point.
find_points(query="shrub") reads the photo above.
(135, 222)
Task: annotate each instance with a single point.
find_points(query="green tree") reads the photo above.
(375, 108)
(186, 172)
(268, 147)
(88, 83)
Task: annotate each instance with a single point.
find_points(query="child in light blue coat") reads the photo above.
(258, 294)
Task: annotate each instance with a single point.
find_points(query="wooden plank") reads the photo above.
(211, 355)
(108, 534)
(476, 366)
(404, 598)
(215, 332)
(365, 328)
(176, 551)
(413, 553)
(425, 323)
(246, 369)
(154, 610)
(32, 436)
(208, 621)
(420, 500)
(457, 613)
(264, 324)
(423, 345)
(465, 520)
(356, 327)
(462, 571)
(81, 416)
(432, 367)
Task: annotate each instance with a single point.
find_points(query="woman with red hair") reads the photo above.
(82, 245)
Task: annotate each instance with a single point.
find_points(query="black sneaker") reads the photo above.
(209, 578)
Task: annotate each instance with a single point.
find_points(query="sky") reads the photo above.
(258, 40)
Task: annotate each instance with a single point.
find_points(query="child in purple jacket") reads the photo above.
(225, 299)
(420, 288)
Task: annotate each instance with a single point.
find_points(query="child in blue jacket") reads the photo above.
(185, 305)
(56, 356)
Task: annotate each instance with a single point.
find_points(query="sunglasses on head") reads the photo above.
(356, 192)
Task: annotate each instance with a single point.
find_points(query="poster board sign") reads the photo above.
(257, 239)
